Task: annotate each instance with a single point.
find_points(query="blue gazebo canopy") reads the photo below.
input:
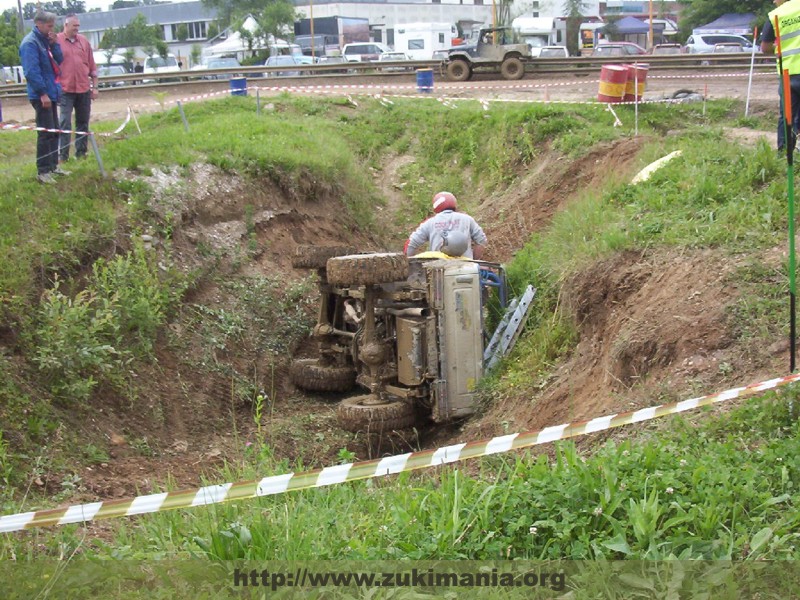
(626, 26)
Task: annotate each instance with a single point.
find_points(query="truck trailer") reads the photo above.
(330, 33)
(420, 40)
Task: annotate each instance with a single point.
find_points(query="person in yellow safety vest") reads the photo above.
(788, 15)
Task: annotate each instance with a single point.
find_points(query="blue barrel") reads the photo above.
(239, 86)
(425, 80)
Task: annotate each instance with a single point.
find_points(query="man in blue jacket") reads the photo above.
(40, 55)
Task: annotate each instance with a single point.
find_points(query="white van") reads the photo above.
(364, 51)
(157, 64)
(420, 40)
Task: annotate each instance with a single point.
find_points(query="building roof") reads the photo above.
(161, 14)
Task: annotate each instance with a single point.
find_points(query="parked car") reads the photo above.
(618, 49)
(333, 60)
(394, 57)
(728, 47)
(111, 71)
(283, 60)
(553, 52)
(364, 51)
(218, 63)
(704, 43)
(661, 49)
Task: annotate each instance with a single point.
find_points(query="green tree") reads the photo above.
(182, 32)
(273, 16)
(162, 48)
(573, 9)
(136, 33)
(55, 6)
(273, 20)
(10, 40)
(75, 6)
(700, 12)
(196, 53)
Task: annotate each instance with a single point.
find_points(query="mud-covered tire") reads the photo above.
(512, 68)
(316, 257)
(362, 413)
(459, 70)
(309, 375)
(367, 269)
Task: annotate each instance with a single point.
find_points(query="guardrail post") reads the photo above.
(183, 116)
(96, 151)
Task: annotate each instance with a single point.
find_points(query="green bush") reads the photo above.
(96, 334)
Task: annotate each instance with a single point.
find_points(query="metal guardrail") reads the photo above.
(584, 64)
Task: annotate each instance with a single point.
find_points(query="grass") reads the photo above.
(724, 490)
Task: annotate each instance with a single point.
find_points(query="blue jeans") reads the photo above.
(794, 85)
(82, 104)
(46, 141)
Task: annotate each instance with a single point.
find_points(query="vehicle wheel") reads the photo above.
(369, 414)
(512, 68)
(366, 269)
(308, 374)
(459, 70)
(316, 257)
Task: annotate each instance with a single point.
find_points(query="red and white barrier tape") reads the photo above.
(279, 484)
(18, 127)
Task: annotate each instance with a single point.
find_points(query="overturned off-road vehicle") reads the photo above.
(410, 331)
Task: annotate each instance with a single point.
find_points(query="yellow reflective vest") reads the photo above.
(788, 15)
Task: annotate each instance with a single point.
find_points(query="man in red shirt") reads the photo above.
(79, 85)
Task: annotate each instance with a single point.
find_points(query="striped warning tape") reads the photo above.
(18, 127)
(279, 484)
(372, 88)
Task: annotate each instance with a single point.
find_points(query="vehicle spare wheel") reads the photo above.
(370, 414)
(308, 374)
(512, 68)
(366, 269)
(307, 256)
(458, 70)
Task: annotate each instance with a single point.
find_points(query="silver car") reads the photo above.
(704, 43)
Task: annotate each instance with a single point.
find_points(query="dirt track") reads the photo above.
(113, 102)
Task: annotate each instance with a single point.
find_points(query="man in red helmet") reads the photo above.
(448, 231)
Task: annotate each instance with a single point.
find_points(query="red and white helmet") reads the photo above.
(443, 201)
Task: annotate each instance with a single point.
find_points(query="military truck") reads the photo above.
(496, 49)
(412, 332)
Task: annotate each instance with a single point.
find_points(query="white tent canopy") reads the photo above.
(234, 44)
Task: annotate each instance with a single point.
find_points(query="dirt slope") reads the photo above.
(651, 326)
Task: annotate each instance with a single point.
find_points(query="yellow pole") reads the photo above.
(313, 41)
(494, 21)
(651, 24)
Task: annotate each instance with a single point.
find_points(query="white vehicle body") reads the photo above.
(364, 51)
(157, 64)
(102, 57)
(420, 40)
(537, 32)
(703, 43)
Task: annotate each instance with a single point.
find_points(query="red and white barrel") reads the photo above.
(637, 76)
(613, 79)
